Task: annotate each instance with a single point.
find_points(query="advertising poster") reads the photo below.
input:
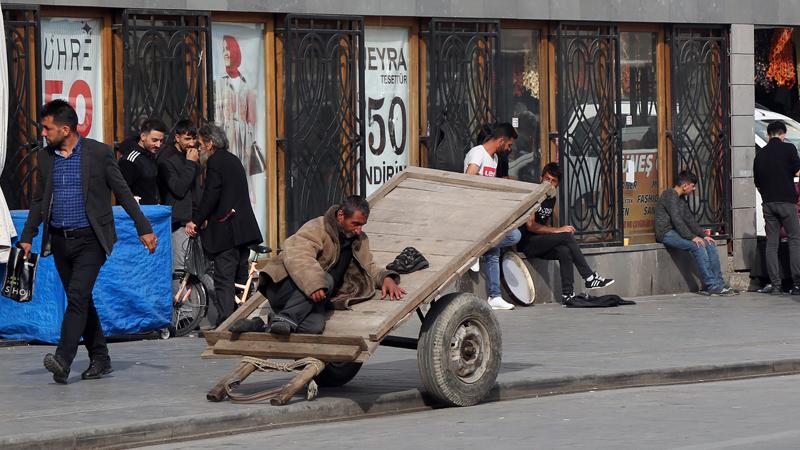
(239, 102)
(640, 194)
(71, 67)
(386, 79)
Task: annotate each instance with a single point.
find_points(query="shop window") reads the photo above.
(520, 94)
(639, 110)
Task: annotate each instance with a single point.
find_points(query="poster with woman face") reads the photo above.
(239, 103)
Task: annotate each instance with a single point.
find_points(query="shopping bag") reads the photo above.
(196, 262)
(20, 275)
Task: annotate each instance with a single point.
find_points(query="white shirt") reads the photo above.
(487, 165)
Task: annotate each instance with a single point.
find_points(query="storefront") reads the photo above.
(318, 106)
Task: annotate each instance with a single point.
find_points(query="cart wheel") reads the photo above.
(460, 349)
(337, 374)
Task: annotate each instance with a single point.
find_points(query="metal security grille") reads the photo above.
(166, 67)
(24, 100)
(699, 117)
(462, 97)
(590, 151)
(324, 109)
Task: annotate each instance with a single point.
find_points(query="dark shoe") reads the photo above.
(57, 367)
(97, 368)
(795, 290)
(280, 328)
(596, 282)
(776, 290)
(247, 325)
(566, 298)
(409, 260)
(767, 289)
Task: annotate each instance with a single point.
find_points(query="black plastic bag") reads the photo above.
(20, 275)
(196, 262)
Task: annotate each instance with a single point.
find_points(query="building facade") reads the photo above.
(324, 99)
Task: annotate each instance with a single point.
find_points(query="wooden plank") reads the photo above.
(287, 350)
(297, 339)
(436, 261)
(450, 199)
(391, 243)
(272, 133)
(461, 179)
(242, 312)
(441, 188)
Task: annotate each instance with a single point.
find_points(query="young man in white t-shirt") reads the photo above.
(482, 160)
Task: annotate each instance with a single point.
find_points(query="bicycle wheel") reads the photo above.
(192, 307)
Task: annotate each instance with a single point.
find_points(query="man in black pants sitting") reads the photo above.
(540, 240)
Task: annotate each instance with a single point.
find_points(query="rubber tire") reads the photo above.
(199, 288)
(439, 327)
(337, 374)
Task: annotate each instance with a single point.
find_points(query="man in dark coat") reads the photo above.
(75, 179)
(228, 224)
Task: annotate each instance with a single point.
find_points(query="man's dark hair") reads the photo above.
(185, 126)
(152, 125)
(61, 112)
(776, 128)
(553, 170)
(496, 131)
(684, 176)
(354, 203)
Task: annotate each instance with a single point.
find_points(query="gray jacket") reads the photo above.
(673, 213)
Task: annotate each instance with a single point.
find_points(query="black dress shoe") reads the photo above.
(57, 367)
(97, 368)
(280, 328)
(247, 325)
(795, 290)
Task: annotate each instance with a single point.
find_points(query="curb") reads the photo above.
(200, 426)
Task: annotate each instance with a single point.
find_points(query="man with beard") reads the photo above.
(75, 179)
(139, 167)
(178, 170)
(327, 264)
(229, 227)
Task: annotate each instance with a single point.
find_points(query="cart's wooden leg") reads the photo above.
(302, 379)
(220, 392)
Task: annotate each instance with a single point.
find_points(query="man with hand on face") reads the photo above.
(178, 171)
(229, 227)
(327, 264)
(542, 240)
(139, 167)
(75, 179)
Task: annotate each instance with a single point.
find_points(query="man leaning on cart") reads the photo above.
(326, 265)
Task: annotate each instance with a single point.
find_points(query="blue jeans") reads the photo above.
(491, 262)
(705, 255)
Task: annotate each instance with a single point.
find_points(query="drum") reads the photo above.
(517, 279)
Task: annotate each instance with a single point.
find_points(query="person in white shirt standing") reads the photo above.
(482, 160)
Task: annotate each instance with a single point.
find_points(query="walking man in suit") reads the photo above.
(76, 177)
(230, 224)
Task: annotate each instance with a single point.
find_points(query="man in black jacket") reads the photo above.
(774, 169)
(230, 224)
(75, 179)
(139, 167)
(178, 169)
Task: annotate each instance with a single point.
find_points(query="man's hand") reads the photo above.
(318, 295)
(391, 289)
(26, 247)
(191, 229)
(150, 241)
(710, 240)
(698, 241)
(567, 229)
(192, 154)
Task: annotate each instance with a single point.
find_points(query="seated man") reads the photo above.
(327, 264)
(677, 228)
(540, 240)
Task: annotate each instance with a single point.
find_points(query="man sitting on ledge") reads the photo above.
(327, 264)
(677, 228)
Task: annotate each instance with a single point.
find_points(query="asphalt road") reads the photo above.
(746, 414)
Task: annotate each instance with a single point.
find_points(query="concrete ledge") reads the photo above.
(330, 409)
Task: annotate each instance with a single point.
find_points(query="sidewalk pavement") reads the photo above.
(157, 392)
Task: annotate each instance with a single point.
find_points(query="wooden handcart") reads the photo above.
(451, 219)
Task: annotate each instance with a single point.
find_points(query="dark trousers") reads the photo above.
(78, 261)
(777, 215)
(230, 267)
(290, 304)
(561, 247)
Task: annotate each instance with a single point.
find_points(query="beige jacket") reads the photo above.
(310, 253)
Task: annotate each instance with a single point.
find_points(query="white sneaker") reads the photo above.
(499, 303)
(477, 266)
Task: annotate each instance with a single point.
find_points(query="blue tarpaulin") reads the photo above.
(132, 294)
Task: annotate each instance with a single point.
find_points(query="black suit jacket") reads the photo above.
(226, 190)
(177, 181)
(100, 176)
